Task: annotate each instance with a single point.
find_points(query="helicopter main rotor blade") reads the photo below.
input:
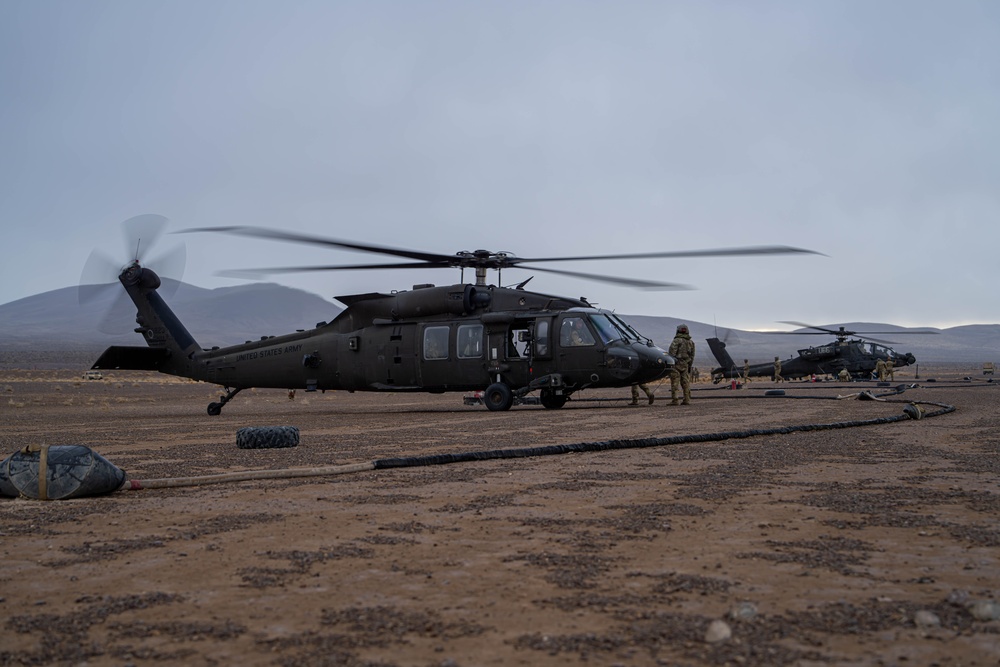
(254, 273)
(716, 252)
(291, 237)
(630, 282)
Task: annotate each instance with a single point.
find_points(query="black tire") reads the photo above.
(551, 400)
(774, 392)
(267, 437)
(498, 397)
(215, 409)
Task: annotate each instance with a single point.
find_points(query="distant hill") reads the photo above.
(53, 326)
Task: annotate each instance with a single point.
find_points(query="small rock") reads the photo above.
(958, 597)
(744, 611)
(926, 619)
(718, 631)
(985, 610)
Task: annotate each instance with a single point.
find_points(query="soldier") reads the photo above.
(880, 370)
(843, 375)
(889, 372)
(681, 349)
(777, 370)
(635, 393)
(746, 372)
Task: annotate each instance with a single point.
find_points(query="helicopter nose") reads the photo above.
(654, 363)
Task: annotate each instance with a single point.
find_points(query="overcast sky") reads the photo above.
(865, 130)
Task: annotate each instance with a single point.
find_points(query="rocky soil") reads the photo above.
(876, 544)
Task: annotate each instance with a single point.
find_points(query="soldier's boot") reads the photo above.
(687, 398)
(650, 399)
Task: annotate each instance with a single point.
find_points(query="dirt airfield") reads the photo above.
(870, 545)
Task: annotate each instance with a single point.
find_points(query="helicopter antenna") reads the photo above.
(137, 242)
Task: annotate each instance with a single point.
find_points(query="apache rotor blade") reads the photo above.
(630, 282)
(278, 235)
(716, 252)
(844, 332)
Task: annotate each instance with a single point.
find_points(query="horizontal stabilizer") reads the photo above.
(126, 358)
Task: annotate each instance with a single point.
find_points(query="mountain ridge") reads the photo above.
(55, 321)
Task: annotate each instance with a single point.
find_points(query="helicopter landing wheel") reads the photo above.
(551, 400)
(498, 397)
(215, 409)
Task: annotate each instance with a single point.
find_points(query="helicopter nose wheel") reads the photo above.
(498, 397)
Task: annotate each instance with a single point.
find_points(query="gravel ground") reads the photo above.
(869, 545)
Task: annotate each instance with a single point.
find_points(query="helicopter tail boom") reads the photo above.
(170, 347)
(727, 367)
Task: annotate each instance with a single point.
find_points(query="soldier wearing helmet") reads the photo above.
(681, 349)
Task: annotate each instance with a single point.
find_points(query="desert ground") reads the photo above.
(876, 544)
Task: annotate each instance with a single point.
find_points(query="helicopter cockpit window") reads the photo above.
(574, 332)
(436, 343)
(628, 332)
(542, 338)
(470, 341)
(605, 328)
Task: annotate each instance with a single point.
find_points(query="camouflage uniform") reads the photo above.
(880, 369)
(843, 375)
(777, 370)
(681, 349)
(635, 393)
(746, 371)
(889, 372)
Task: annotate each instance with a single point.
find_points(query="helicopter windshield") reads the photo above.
(606, 329)
(628, 333)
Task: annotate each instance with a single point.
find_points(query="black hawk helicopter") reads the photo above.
(504, 341)
(859, 356)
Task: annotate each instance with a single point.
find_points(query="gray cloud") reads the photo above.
(862, 130)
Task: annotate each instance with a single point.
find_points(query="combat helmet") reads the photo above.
(682, 328)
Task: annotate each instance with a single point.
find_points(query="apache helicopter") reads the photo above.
(503, 341)
(858, 356)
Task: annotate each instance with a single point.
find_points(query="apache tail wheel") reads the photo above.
(215, 409)
(498, 397)
(551, 400)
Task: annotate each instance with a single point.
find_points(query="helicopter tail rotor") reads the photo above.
(99, 286)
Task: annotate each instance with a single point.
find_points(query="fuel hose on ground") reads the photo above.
(58, 472)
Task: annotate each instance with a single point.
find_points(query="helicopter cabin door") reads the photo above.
(508, 351)
(580, 355)
(394, 366)
(452, 356)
